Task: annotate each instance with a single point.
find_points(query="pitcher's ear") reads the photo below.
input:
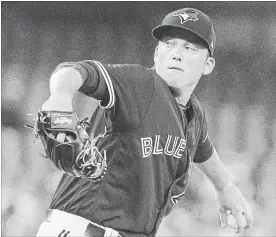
(209, 66)
(155, 53)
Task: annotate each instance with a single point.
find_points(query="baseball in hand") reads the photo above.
(231, 221)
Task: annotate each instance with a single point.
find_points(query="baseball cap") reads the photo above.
(192, 20)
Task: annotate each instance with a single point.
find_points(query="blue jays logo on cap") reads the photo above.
(188, 19)
(187, 16)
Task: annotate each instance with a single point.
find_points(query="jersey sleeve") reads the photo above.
(125, 90)
(205, 147)
(98, 83)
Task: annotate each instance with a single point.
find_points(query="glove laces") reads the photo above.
(90, 161)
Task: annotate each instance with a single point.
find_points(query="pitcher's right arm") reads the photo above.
(65, 81)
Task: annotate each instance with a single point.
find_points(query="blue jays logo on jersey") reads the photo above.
(187, 16)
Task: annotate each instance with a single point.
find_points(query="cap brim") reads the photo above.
(159, 31)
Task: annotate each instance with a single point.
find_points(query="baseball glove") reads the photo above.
(68, 145)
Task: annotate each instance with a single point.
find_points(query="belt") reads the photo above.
(89, 228)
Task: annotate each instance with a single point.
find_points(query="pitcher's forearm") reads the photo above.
(216, 171)
(65, 82)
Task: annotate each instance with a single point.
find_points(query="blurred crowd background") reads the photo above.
(238, 97)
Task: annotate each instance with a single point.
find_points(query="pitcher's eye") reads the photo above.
(169, 43)
(191, 48)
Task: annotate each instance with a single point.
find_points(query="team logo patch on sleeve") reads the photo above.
(187, 16)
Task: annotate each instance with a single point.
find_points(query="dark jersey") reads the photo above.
(150, 143)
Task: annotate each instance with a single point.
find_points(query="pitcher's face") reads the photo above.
(182, 61)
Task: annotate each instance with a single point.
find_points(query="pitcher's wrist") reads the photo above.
(58, 103)
(61, 96)
(223, 185)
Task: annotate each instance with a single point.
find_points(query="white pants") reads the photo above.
(63, 224)
(48, 229)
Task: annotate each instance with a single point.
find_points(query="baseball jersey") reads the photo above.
(151, 142)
